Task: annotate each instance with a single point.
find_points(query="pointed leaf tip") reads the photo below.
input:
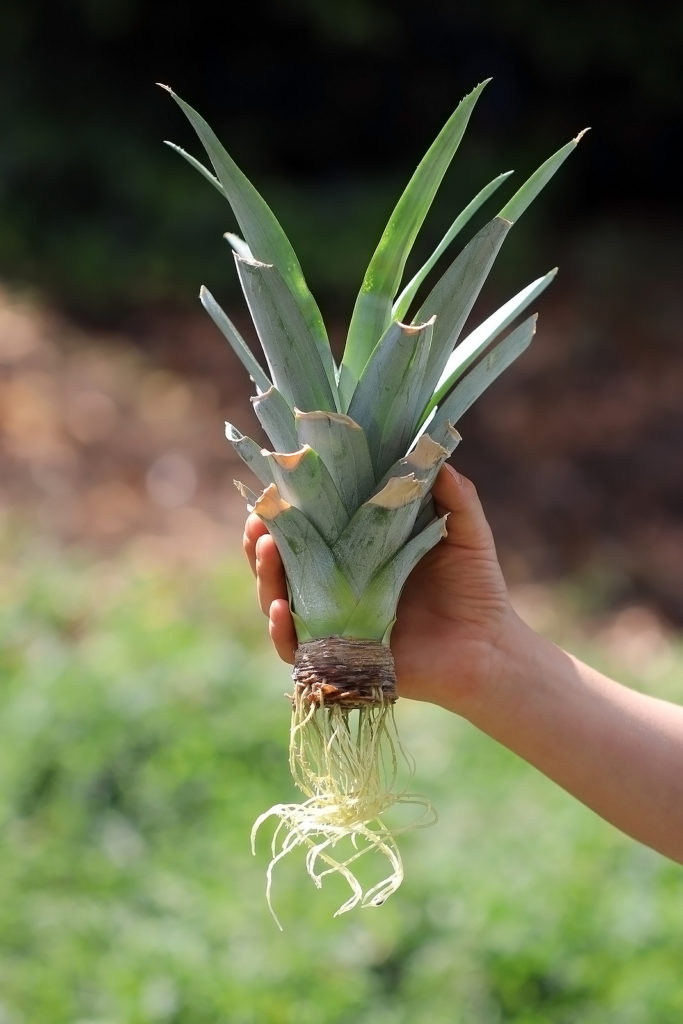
(535, 184)
(372, 312)
(260, 229)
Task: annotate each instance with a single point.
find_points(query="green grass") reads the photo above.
(143, 730)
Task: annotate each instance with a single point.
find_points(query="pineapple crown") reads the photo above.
(347, 490)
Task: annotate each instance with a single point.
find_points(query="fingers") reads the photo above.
(271, 586)
(466, 524)
(253, 530)
(282, 631)
(265, 563)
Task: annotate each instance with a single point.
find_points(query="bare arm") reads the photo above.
(617, 750)
(459, 643)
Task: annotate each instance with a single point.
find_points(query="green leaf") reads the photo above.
(402, 415)
(388, 373)
(523, 198)
(452, 298)
(290, 350)
(198, 166)
(235, 340)
(372, 311)
(250, 453)
(249, 496)
(402, 304)
(321, 597)
(260, 227)
(375, 613)
(426, 458)
(303, 480)
(343, 447)
(238, 245)
(377, 530)
(470, 347)
(484, 373)
(444, 434)
(277, 419)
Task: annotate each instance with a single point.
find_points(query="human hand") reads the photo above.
(453, 614)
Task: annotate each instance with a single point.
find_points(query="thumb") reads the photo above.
(466, 525)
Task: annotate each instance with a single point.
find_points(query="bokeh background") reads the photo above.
(142, 722)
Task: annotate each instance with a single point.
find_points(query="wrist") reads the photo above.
(494, 689)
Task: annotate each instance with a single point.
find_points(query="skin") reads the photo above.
(459, 643)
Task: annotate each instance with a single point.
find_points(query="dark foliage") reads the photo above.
(326, 105)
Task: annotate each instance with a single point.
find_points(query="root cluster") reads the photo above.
(345, 760)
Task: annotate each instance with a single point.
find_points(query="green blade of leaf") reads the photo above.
(289, 347)
(377, 530)
(524, 196)
(402, 415)
(402, 304)
(251, 454)
(247, 494)
(482, 375)
(453, 296)
(321, 598)
(277, 419)
(198, 166)
(425, 459)
(343, 447)
(372, 311)
(428, 456)
(385, 372)
(238, 245)
(470, 347)
(261, 229)
(235, 340)
(303, 480)
(375, 613)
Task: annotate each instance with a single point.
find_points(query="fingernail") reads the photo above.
(455, 476)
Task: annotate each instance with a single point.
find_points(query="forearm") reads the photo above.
(618, 751)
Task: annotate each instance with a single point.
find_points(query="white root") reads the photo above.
(346, 764)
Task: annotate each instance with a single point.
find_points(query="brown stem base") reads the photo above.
(348, 673)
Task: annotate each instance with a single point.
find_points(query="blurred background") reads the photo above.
(142, 724)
